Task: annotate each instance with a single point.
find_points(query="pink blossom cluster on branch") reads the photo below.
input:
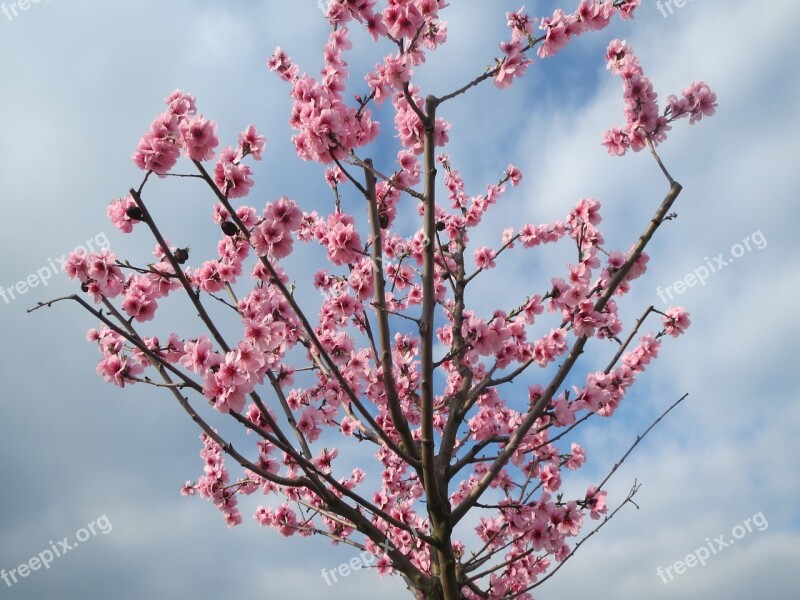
(641, 109)
(450, 434)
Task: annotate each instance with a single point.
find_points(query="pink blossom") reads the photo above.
(570, 519)
(564, 412)
(284, 212)
(557, 34)
(155, 154)
(341, 239)
(402, 18)
(325, 459)
(698, 101)
(676, 321)
(208, 277)
(118, 370)
(181, 104)
(232, 178)
(514, 175)
(283, 65)
(77, 266)
(596, 502)
(513, 65)
(271, 238)
(627, 7)
(641, 110)
(198, 355)
(521, 24)
(118, 213)
(199, 137)
(251, 143)
(616, 140)
(140, 300)
(389, 76)
(324, 371)
(594, 14)
(484, 257)
(576, 458)
(551, 478)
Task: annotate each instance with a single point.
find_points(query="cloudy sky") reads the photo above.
(82, 81)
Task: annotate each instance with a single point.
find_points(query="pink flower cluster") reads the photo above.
(415, 20)
(119, 213)
(181, 129)
(327, 126)
(676, 321)
(272, 236)
(409, 126)
(215, 484)
(228, 377)
(160, 147)
(98, 273)
(115, 367)
(560, 28)
(641, 109)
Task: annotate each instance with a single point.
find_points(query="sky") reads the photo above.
(83, 461)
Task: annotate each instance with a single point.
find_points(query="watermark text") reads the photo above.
(56, 550)
(11, 10)
(365, 559)
(53, 267)
(667, 7)
(700, 555)
(754, 241)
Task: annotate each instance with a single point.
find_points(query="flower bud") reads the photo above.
(229, 228)
(181, 255)
(135, 213)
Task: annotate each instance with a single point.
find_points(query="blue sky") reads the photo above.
(82, 81)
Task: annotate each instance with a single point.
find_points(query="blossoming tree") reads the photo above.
(396, 367)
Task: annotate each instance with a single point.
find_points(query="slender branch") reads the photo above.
(473, 562)
(658, 160)
(384, 333)
(443, 560)
(428, 304)
(490, 72)
(639, 438)
(505, 563)
(392, 181)
(352, 179)
(190, 291)
(426, 117)
(473, 452)
(133, 340)
(627, 342)
(289, 416)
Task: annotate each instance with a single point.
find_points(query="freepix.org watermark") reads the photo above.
(699, 556)
(667, 7)
(53, 267)
(754, 241)
(363, 560)
(56, 550)
(11, 10)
